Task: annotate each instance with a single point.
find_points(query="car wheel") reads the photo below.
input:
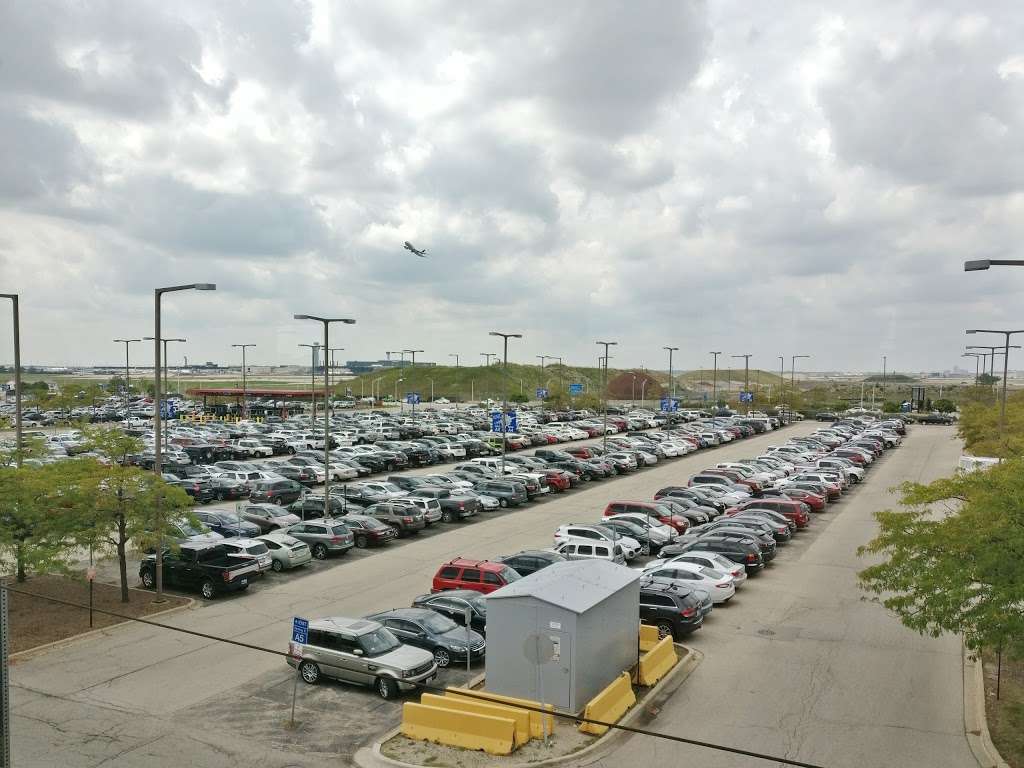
(502, 503)
(361, 542)
(645, 549)
(387, 688)
(148, 579)
(310, 672)
(442, 658)
(665, 630)
(320, 552)
(207, 590)
(447, 517)
(277, 566)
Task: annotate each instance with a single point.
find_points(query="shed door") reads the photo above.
(557, 673)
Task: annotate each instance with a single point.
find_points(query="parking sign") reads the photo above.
(300, 630)
(412, 398)
(541, 393)
(575, 389)
(496, 421)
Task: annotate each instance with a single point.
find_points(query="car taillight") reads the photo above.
(406, 519)
(687, 612)
(461, 505)
(751, 558)
(226, 575)
(335, 539)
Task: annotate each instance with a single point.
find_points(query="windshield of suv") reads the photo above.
(439, 624)
(377, 642)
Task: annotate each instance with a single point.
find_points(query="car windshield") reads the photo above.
(188, 530)
(339, 530)
(377, 642)
(276, 511)
(439, 624)
(510, 575)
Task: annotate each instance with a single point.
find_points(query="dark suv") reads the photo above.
(738, 548)
(508, 494)
(427, 629)
(674, 610)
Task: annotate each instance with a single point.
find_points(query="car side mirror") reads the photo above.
(357, 651)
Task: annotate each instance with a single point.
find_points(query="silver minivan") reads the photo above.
(576, 550)
(363, 652)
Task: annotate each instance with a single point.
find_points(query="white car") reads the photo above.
(720, 585)
(286, 551)
(659, 533)
(595, 533)
(249, 551)
(711, 560)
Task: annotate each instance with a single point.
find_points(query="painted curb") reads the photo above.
(975, 719)
(38, 650)
(371, 757)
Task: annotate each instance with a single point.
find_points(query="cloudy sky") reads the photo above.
(746, 177)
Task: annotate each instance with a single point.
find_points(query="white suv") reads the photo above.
(584, 533)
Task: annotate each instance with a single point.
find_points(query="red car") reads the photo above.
(813, 500)
(736, 477)
(558, 480)
(790, 509)
(478, 575)
(659, 512)
(581, 452)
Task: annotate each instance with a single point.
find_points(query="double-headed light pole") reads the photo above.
(157, 426)
(245, 379)
(604, 430)
(167, 376)
(127, 374)
(18, 447)
(504, 395)
(792, 369)
(1006, 362)
(326, 322)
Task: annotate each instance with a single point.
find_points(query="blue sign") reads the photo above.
(513, 423)
(575, 389)
(300, 630)
(669, 404)
(541, 393)
(167, 409)
(412, 398)
(496, 421)
(746, 397)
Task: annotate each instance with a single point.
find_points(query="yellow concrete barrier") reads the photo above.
(465, 704)
(657, 662)
(537, 724)
(609, 705)
(495, 735)
(648, 637)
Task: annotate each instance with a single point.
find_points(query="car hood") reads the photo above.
(405, 657)
(288, 519)
(457, 636)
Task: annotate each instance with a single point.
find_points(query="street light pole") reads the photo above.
(746, 370)
(167, 377)
(312, 377)
(792, 370)
(245, 387)
(157, 426)
(326, 322)
(885, 364)
(782, 376)
(452, 354)
(504, 404)
(604, 437)
(714, 386)
(18, 447)
(976, 356)
(1006, 363)
(671, 380)
(488, 356)
(334, 365)
(127, 375)
(413, 353)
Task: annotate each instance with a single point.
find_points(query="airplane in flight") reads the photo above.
(409, 247)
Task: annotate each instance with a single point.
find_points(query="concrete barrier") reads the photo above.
(494, 735)
(464, 704)
(609, 705)
(657, 662)
(537, 724)
(648, 637)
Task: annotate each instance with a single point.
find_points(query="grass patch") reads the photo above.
(1006, 716)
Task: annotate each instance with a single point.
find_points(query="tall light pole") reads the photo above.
(671, 380)
(792, 370)
(413, 353)
(326, 322)
(127, 374)
(487, 357)
(334, 365)
(714, 386)
(604, 437)
(166, 375)
(982, 264)
(782, 376)
(453, 354)
(312, 377)
(504, 397)
(1006, 363)
(18, 447)
(245, 380)
(991, 355)
(977, 359)
(157, 426)
(746, 370)
(885, 366)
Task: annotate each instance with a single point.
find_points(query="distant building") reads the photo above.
(368, 366)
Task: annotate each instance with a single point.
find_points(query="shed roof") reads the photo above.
(575, 585)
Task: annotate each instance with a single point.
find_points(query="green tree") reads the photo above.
(944, 405)
(890, 406)
(951, 557)
(987, 379)
(515, 397)
(123, 502)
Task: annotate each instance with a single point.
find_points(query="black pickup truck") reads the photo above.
(205, 567)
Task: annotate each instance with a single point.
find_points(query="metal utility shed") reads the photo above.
(562, 634)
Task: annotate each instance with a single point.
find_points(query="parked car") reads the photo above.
(454, 504)
(369, 531)
(407, 519)
(282, 491)
(226, 523)
(572, 550)
(249, 550)
(480, 575)
(508, 493)
(427, 629)
(286, 552)
(674, 609)
(720, 585)
(269, 517)
(530, 560)
(313, 506)
(453, 603)
(739, 548)
(205, 567)
(324, 537)
(361, 652)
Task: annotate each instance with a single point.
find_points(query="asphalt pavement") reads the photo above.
(798, 664)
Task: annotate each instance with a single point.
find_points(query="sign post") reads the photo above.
(300, 636)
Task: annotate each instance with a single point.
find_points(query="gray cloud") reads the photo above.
(39, 160)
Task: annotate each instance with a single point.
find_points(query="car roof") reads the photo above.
(484, 565)
(413, 614)
(344, 624)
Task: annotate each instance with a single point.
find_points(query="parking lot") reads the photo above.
(140, 690)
